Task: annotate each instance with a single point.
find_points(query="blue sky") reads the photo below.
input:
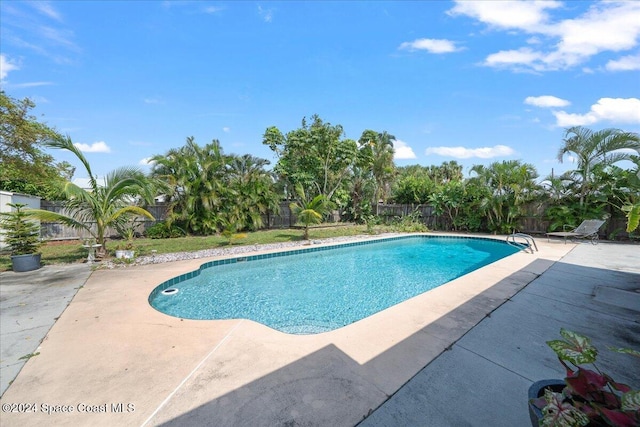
(475, 82)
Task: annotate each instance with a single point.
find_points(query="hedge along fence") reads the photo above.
(532, 223)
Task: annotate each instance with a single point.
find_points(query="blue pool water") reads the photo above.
(320, 289)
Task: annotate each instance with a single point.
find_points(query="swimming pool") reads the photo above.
(320, 289)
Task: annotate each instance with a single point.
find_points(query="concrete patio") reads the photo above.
(462, 354)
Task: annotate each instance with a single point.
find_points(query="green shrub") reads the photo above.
(411, 223)
(21, 233)
(164, 230)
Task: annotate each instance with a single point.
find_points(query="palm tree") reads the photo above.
(511, 184)
(309, 211)
(382, 166)
(602, 148)
(194, 177)
(103, 206)
(252, 190)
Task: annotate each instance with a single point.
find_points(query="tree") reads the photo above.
(101, 206)
(194, 178)
(621, 190)
(382, 166)
(449, 198)
(309, 211)
(252, 190)
(24, 166)
(413, 184)
(315, 155)
(446, 172)
(209, 191)
(362, 186)
(591, 149)
(511, 184)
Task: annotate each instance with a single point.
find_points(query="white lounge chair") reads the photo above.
(587, 230)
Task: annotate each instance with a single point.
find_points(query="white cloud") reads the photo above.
(266, 14)
(46, 9)
(566, 43)
(401, 151)
(546, 101)
(152, 101)
(213, 9)
(626, 63)
(42, 31)
(146, 162)
(430, 45)
(96, 147)
(506, 14)
(515, 58)
(617, 110)
(466, 153)
(226, 129)
(604, 27)
(6, 66)
(28, 84)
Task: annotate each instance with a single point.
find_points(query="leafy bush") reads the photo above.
(22, 234)
(590, 397)
(411, 223)
(164, 230)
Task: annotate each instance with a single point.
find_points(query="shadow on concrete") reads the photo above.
(480, 377)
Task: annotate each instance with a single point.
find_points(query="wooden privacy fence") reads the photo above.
(532, 224)
(59, 231)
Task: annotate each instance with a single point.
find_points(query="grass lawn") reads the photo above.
(71, 251)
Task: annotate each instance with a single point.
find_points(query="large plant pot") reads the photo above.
(537, 390)
(126, 254)
(22, 263)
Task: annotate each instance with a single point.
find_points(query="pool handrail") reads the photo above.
(529, 243)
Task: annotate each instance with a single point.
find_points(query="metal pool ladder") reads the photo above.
(529, 243)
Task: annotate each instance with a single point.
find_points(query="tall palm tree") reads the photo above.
(382, 166)
(604, 148)
(100, 206)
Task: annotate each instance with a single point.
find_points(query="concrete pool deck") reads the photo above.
(462, 354)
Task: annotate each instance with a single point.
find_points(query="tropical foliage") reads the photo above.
(378, 149)
(209, 191)
(589, 397)
(595, 150)
(511, 185)
(316, 156)
(308, 210)
(21, 234)
(24, 166)
(100, 206)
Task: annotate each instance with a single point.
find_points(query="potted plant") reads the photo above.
(119, 252)
(23, 237)
(128, 252)
(585, 397)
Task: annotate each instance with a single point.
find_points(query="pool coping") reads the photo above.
(239, 371)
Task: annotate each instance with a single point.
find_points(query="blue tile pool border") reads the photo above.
(288, 252)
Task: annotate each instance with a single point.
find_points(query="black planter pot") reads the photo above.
(22, 263)
(537, 390)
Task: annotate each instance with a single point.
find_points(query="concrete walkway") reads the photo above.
(436, 359)
(483, 379)
(30, 303)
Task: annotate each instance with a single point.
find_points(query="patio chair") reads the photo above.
(587, 230)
